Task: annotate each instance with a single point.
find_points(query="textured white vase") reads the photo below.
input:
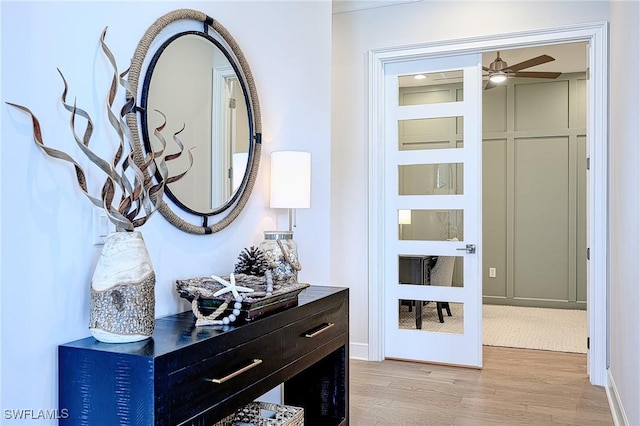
(123, 291)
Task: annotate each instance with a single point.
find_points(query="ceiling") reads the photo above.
(342, 6)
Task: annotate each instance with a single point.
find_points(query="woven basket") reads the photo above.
(265, 414)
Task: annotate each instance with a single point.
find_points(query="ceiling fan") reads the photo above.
(498, 70)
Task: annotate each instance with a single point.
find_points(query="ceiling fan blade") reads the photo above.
(542, 59)
(537, 74)
(486, 68)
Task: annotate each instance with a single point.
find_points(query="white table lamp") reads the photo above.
(290, 181)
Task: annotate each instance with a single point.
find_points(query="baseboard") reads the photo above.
(359, 351)
(615, 405)
(534, 303)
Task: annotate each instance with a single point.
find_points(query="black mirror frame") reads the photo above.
(241, 196)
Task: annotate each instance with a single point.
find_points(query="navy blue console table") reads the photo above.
(194, 375)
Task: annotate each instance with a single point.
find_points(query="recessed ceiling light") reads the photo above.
(419, 76)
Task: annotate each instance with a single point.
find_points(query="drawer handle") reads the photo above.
(230, 376)
(319, 330)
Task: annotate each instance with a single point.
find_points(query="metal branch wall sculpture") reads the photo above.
(140, 196)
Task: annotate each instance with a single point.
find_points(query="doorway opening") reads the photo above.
(534, 199)
(597, 92)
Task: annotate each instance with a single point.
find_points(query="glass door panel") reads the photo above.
(428, 316)
(431, 225)
(430, 179)
(430, 133)
(431, 315)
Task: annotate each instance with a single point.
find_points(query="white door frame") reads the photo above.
(596, 34)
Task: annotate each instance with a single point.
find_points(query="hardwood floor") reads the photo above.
(515, 387)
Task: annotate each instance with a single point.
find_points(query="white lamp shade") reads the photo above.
(404, 217)
(239, 166)
(290, 180)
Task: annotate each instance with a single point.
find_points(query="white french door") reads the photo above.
(433, 210)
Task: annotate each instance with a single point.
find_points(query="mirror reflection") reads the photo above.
(430, 269)
(430, 133)
(192, 82)
(431, 88)
(423, 315)
(430, 225)
(433, 271)
(426, 89)
(430, 179)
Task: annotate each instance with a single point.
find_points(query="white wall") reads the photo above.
(625, 207)
(47, 256)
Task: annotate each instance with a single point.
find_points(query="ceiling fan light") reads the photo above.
(498, 77)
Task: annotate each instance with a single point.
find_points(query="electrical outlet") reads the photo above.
(492, 272)
(101, 226)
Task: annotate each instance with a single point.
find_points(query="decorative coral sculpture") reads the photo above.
(140, 197)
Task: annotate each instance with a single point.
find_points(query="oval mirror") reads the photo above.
(200, 80)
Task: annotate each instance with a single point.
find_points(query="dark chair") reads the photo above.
(414, 270)
(442, 275)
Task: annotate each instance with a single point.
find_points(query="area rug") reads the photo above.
(558, 330)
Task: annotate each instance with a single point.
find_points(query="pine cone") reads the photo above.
(251, 261)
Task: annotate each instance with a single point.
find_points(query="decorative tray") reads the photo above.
(255, 305)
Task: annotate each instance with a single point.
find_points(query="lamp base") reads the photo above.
(281, 253)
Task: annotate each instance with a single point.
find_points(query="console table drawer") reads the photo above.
(312, 332)
(200, 385)
(196, 387)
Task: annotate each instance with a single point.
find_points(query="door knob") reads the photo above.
(470, 248)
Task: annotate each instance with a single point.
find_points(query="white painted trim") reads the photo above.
(359, 351)
(615, 404)
(376, 225)
(598, 219)
(596, 34)
(220, 150)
